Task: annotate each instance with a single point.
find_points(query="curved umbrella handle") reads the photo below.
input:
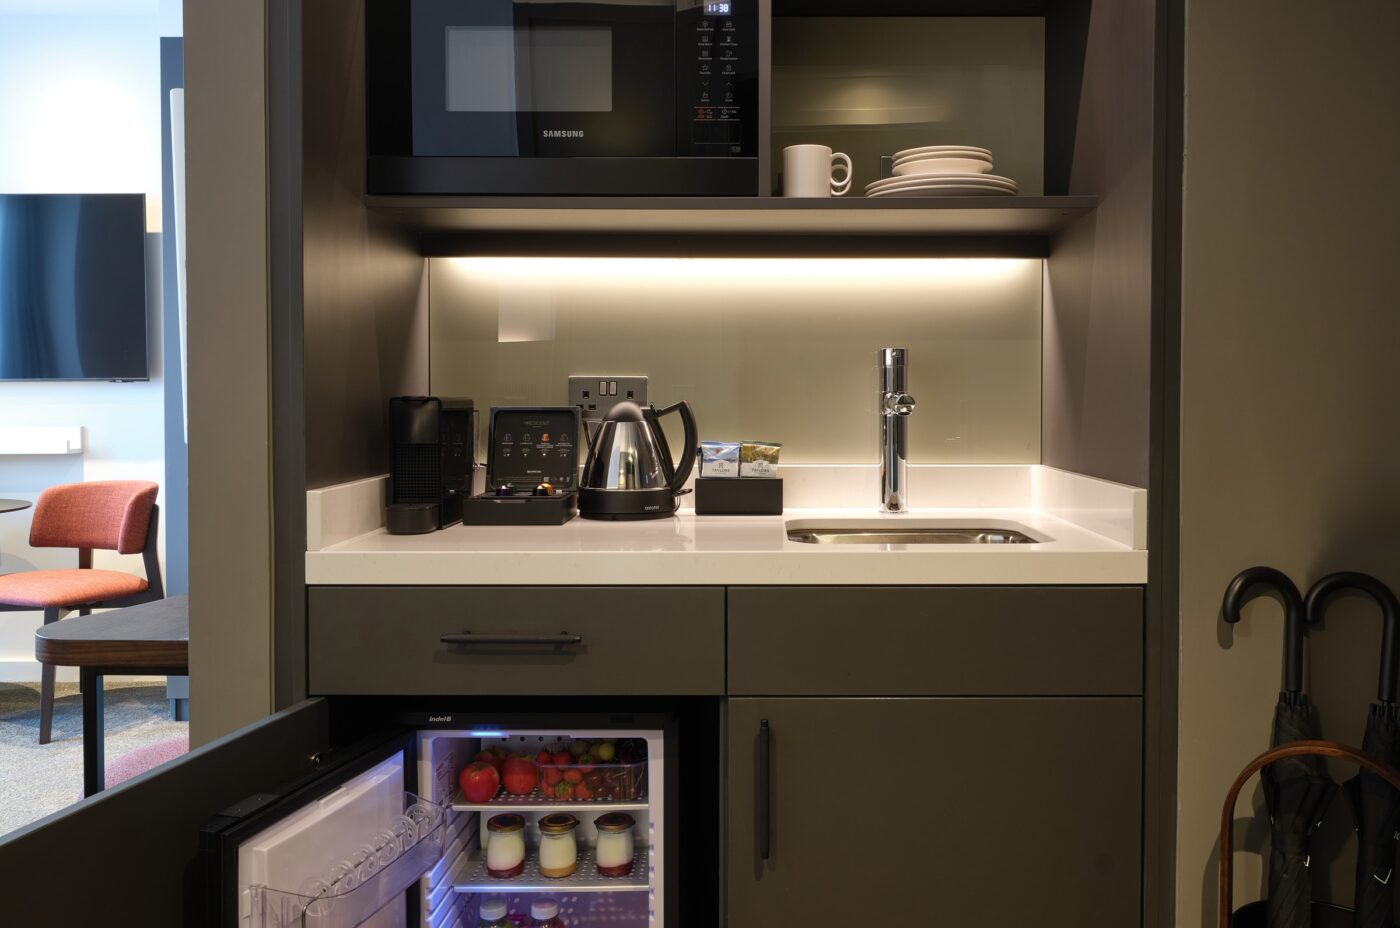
(1291, 749)
(1390, 611)
(1254, 580)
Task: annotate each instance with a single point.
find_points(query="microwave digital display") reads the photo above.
(723, 8)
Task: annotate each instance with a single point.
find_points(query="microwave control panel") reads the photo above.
(717, 78)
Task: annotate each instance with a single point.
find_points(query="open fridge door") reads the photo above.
(339, 851)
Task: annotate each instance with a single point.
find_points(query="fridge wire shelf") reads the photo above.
(362, 891)
(629, 790)
(536, 802)
(473, 877)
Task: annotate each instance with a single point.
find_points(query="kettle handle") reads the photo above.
(692, 443)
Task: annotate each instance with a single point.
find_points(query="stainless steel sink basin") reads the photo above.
(905, 535)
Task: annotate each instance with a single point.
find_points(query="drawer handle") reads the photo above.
(487, 638)
(762, 808)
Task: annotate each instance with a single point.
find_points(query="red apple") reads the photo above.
(544, 758)
(519, 776)
(563, 757)
(496, 757)
(479, 781)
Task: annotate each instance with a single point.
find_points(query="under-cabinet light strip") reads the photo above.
(757, 270)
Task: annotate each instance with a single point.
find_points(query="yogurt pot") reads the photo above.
(615, 850)
(505, 851)
(558, 845)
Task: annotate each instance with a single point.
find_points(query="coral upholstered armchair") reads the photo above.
(115, 515)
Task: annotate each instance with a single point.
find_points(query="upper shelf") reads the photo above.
(999, 219)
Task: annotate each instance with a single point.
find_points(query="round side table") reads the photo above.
(13, 505)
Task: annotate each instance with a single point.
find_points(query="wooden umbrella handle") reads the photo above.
(1291, 749)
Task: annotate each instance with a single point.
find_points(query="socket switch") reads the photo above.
(600, 393)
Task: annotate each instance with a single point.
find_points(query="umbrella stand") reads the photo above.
(1295, 790)
(1295, 749)
(1375, 804)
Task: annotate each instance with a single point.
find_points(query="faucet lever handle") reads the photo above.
(898, 404)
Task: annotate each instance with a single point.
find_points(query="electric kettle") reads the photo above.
(629, 473)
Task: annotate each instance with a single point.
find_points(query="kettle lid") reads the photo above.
(625, 412)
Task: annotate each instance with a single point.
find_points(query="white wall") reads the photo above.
(80, 112)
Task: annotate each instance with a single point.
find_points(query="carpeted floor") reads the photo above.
(38, 779)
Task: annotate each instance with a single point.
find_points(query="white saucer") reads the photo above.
(941, 165)
(928, 150)
(949, 153)
(925, 180)
(944, 190)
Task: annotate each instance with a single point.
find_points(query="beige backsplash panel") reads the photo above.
(776, 349)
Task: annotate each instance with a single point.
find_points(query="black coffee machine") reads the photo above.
(434, 455)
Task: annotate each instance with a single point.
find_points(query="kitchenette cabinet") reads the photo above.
(636, 641)
(947, 641)
(963, 755)
(958, 755)
(1014, 811)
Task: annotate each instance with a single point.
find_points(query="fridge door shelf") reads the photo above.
(364, 897)
(536, 802)
(473, 877)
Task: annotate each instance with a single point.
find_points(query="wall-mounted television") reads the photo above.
(73, 286)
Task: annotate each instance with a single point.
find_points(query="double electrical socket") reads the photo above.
(598, 394)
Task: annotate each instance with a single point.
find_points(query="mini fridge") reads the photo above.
(382, 835)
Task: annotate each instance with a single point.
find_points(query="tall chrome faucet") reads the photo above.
(895, 407)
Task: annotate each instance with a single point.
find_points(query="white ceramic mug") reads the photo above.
(810, 171)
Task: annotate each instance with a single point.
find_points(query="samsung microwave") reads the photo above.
(562, 97)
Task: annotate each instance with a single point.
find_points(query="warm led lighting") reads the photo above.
(737, 270)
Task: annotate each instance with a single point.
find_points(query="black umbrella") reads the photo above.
(1295, 789)
(1374, 802)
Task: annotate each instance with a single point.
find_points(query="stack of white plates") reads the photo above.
(942, 171)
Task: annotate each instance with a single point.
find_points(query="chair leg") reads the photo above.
(46, 676)
(46, 704)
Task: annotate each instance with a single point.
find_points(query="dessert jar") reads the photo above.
(558, 845)
(615, 850)
(505, 849)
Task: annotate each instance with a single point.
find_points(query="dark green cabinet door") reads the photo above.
(998, 813)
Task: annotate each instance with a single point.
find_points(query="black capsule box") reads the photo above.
(738, 496)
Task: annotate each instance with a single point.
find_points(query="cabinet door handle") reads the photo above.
(762, 807)
(488, 638)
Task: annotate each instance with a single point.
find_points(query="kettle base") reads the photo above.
(626, 505)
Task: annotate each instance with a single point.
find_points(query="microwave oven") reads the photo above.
(562, 97)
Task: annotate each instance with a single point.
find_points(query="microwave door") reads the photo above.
(543, 79)
(345, 847)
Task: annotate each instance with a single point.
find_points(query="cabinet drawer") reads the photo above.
(948, 813)
(634, 640)
(935, 641)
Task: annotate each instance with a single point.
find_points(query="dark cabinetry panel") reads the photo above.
(133, 848)
(634, 640)
(935, 641)
(936, 812)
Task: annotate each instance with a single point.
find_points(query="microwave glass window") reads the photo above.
(554, 69)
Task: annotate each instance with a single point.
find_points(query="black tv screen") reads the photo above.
(73, 286)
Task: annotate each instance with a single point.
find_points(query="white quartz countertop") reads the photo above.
(729, 550)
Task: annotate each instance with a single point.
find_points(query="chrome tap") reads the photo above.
(895, 407)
